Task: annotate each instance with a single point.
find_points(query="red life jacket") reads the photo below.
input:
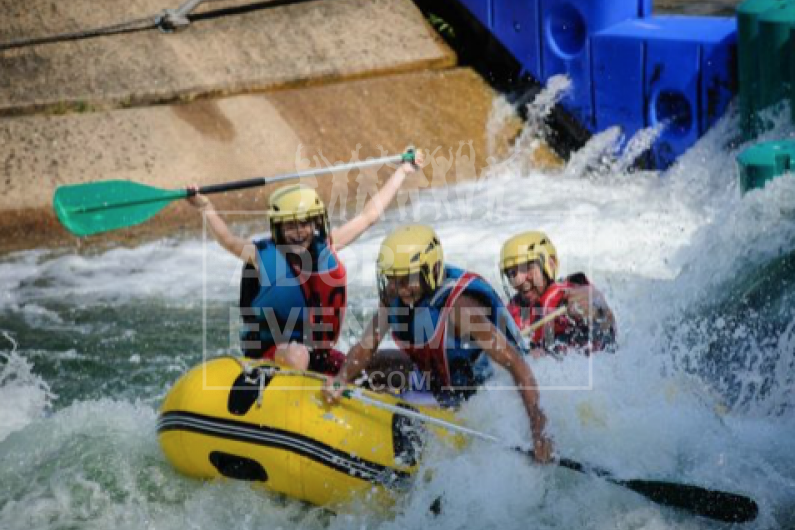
(563, 332)
(326, 295)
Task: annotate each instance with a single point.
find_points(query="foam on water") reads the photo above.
(24, 396)
(97, 465)
(172, 270)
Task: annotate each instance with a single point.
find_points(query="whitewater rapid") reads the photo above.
(92, 340)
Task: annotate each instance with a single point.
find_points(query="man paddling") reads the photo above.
(450, 322)
(294, 287)
(529, 266)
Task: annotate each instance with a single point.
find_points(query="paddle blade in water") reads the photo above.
(718, 505)
(95, 207)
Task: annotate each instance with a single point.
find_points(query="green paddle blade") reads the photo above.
(95, 207)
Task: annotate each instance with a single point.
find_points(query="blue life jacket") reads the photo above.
(456, 366)
(279, 306)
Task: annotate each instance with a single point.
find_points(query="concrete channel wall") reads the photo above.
(227, 98)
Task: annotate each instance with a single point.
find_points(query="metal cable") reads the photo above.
(140, 24)
(167, 20)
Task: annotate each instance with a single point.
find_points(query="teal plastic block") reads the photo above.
(761, 163)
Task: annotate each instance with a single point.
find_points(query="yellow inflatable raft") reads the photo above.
(252, 421)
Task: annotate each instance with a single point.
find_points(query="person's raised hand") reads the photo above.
(419, 161)
(196, 199)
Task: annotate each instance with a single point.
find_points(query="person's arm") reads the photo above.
(375, 207)
(243, 249)
(470, 320)
(358, 357)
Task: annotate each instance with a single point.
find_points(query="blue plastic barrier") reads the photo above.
(673, 69)
(517, 26)
(481, 9)
(566, 29)
(520, 28)
(627, 67)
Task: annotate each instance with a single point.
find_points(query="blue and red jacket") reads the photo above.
(280, 305)
(455, 366)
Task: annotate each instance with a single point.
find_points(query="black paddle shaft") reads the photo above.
(231, 186)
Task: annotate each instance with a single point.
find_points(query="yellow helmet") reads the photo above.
(297, 203)
(411, 249)
(528, 247)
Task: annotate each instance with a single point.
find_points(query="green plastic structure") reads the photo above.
(766, 58)
(765, 161)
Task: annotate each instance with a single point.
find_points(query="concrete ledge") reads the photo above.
(276, 47)
(239, 137)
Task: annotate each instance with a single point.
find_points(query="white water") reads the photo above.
(656, 245)
(24, 395)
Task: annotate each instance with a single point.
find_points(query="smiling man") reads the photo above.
(529, 266)
(449, 321)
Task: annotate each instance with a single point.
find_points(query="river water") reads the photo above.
(700, 390)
